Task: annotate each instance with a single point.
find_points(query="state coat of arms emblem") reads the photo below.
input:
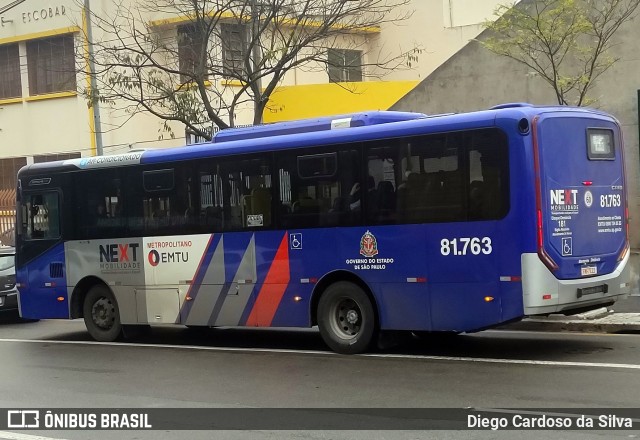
(368, 245)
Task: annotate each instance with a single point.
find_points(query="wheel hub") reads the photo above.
(352, 316)
(102, 313)
(346, 318)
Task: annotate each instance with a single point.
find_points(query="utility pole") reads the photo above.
(95, 103)
(255, 23)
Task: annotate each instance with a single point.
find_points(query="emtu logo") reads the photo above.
(564, 196)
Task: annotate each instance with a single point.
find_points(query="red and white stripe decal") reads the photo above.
(273, 288)
(192, 292)
(417, 280)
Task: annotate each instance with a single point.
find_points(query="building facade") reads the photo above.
(44, 111)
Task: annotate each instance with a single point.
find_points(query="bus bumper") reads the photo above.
(543, 293)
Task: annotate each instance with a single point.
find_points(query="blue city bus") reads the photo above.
(360, 224)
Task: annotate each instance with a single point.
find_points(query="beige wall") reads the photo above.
(63, 123)
(34, 127)
(439, 27)
(468, 12)
(59, 122)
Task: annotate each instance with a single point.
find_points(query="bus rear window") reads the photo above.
(600, 144)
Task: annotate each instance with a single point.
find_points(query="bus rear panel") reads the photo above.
(581, 214)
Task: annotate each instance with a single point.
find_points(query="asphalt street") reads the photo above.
(627, 305)
(55, 364)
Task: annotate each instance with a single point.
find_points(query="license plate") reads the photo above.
(603, 288)
(588, 270)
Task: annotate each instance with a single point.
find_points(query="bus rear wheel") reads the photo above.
(346, 318)
(101, 314)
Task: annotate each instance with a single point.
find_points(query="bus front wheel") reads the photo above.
(346, 318)
(101, 314)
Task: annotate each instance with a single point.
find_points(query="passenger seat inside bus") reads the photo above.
(476, 200)
(213, 217)
(386, 201)
(260, 204)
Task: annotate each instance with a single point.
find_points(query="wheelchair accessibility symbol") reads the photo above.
(295, 241)
(567, 246)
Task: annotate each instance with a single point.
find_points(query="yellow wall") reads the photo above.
(314, 100)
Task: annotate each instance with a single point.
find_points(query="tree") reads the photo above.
(206, 59)
(568, 43)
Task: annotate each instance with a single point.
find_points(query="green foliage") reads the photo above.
(566, 42)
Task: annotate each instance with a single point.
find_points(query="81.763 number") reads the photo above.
(466, 246)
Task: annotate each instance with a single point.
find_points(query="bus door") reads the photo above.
(41, 272)
(582, 197)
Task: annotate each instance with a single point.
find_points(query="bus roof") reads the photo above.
(314, 132)
(315, 124)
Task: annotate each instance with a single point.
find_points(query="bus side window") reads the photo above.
(212, 201)
(43, 217)
(318, 189)
(98, 203)
(442, 177)
(237, 194)
(382, 197)
(488, 176)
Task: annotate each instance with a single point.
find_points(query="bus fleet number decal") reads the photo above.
(610, 201)
(466, 246)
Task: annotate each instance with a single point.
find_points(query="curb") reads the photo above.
(591, 322)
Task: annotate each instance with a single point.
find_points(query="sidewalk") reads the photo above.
(596, 321)
(623, 316)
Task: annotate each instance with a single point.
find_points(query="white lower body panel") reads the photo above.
(543, 293)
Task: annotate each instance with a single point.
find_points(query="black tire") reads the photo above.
(101, 314)
(346, 318)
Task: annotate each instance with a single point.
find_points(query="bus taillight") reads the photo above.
(544, 257)
(625, 249)
(626, 219)
(540, 235)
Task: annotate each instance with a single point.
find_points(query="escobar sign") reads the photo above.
(43, 14)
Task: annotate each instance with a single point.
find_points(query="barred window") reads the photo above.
(10, 85)
(9, 170)
(191, 43)
(51, 64)
(344, 65)
(234, 48)
(55, 156)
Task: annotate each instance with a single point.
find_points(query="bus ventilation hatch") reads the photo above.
(55, 270)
